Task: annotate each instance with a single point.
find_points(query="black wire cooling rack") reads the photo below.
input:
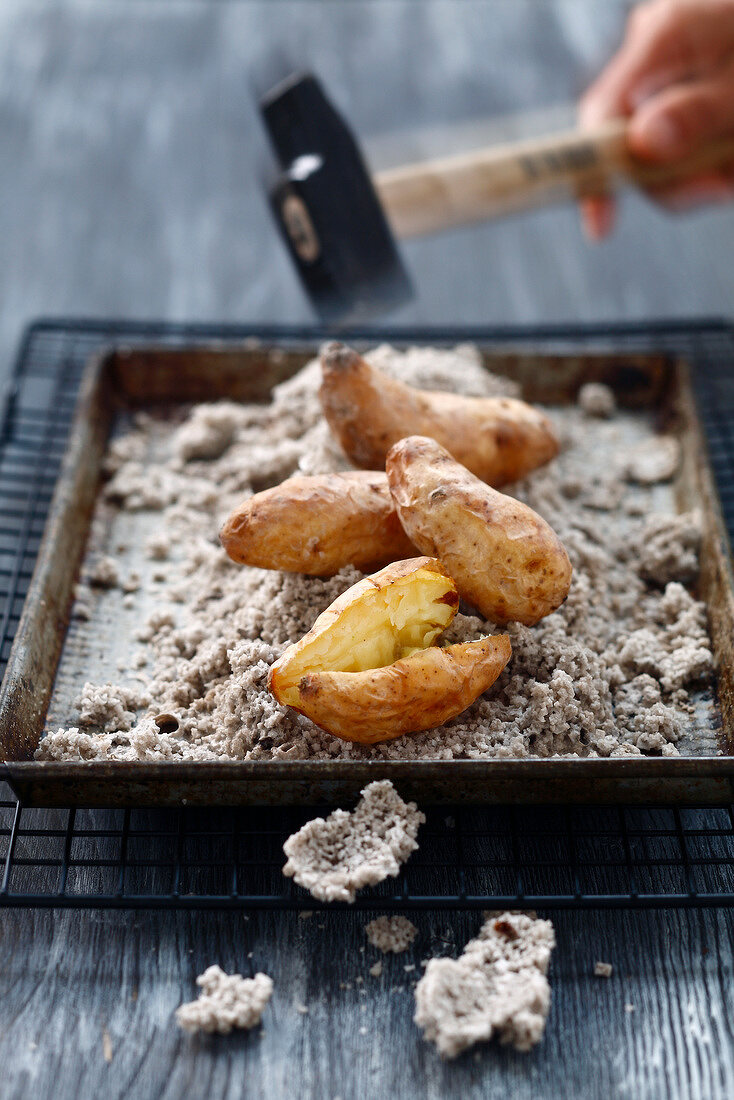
(470, 858)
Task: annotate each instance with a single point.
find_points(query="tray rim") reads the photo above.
(19, 774)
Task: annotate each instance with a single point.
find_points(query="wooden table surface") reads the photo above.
(130, 168)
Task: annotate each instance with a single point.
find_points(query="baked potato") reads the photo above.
(500, 439)
(317, 525)
(506, 560)
(368, 670)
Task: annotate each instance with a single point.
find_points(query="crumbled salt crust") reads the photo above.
(106, 706)
(332, 858)
(667, 549)
(394, 934)
(497, 987)
(226, 1001)
(104, 573)
(602, 970)
(596, 399)
(608, 674)
(654, 460)
(157, 548)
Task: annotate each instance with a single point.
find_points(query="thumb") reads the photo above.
(684, 118)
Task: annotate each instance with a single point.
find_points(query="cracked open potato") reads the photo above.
(317, 525)
(368, 670)
(500, 439)
(506, 560)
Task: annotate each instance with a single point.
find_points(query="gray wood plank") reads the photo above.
(126, 974)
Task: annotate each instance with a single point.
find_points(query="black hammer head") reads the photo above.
(327, 207)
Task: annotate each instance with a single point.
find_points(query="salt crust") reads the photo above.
(654, 460)
(606, 675)
(394, 934)
(596, 399)
(226, 1001)
(497, 986)
(332, 858)
(104, 573)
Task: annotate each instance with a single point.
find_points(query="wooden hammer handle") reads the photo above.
(460, 190)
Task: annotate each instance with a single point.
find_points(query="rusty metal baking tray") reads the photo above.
(648, 366)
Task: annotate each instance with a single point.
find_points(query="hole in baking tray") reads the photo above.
(166, 723)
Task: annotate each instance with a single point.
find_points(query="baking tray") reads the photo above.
(135, 377)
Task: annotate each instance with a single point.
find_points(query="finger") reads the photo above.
(653, 43)
(684, 118)
(597, 217)
(714, 187)
(663, 43)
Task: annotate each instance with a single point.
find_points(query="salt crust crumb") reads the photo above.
(394, 934)
(654, 460)
(334, 857)
(596, 399)
(106, 1045)
(225, 1002)
(83, 607)
(208, 432)
(157, 547)
(667, 548)
(602, 970)
(106, 706)
(572, 687)
(497, 986)
(376, 969)
(103, 573)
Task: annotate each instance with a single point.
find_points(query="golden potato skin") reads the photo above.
(416, 693)
(317, 525)
(506, 560)
(499, 439)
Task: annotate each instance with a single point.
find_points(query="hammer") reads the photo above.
(340, 223)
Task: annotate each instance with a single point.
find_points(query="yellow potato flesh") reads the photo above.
(368, 670)
(383, 625)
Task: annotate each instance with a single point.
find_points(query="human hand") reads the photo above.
(673, 78)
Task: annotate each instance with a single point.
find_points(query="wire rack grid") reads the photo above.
(471, 858)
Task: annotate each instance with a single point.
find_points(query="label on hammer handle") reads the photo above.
(300, 229)
(548, 164)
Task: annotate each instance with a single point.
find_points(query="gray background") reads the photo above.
(131, 157)
(130, 161)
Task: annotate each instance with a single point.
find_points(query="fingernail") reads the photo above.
(659, 135)
(597, 219)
